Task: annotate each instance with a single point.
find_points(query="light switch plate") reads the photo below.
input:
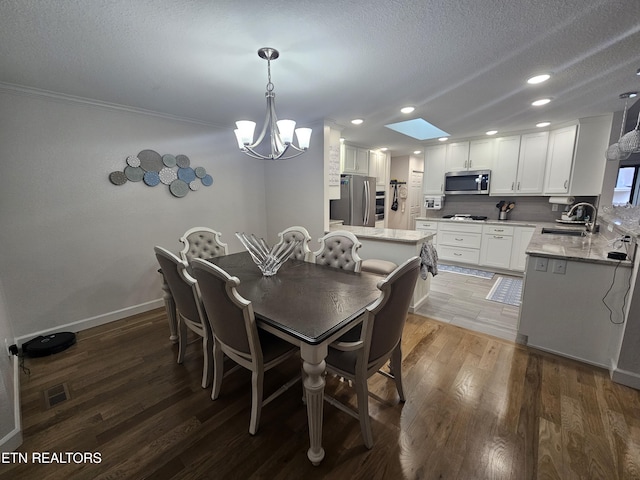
(542, 264)
(559, 267)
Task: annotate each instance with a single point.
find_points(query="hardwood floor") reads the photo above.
(478, 407)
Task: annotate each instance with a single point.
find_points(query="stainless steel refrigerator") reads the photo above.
(357, 204)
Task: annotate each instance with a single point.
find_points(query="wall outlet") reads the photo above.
(542, 264)
(559, 267)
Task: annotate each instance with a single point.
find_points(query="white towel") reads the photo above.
(429, 257)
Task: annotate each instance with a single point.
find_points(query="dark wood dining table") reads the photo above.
(310, 306)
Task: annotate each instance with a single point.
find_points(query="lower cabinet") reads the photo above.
(459, 242)
(496, 250)
(496, 246)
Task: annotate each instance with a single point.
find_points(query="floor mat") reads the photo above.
(474, 272)
(506, 290)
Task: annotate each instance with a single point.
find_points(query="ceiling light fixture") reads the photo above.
(542, 101)
(280, 131)
(638, 72)
(615, 152)
(443, 139)
(543, 124)
(357, 121)
(407, 109)
(539, 79)
(417, 152)
(492, 132)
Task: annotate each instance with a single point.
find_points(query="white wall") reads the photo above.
(77, 249)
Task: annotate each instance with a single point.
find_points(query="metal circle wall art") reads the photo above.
(151, 168)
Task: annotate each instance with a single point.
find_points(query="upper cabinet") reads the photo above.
(504, 174)
(379, 167)
(434, 169)
(519, 164)
(474, 155)
(354, 160)
(559, 160)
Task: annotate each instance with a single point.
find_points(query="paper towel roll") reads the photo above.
(562, 200)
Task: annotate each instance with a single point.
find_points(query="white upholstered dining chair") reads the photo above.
(339, 250)
(300, 234)
(188, 309)
(236, 334)
(202, 242)
(380, 339)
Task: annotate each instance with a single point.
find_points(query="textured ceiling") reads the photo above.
(462, 64)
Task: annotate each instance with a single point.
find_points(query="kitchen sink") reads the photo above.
(565, 231)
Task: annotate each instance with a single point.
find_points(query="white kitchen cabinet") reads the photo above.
(457, 157)
(481, 154)
(355, 160)
(429, 226)
(459, 242)
(434, 169)
(496, 246)
(521, 238)
(504, 174)
(559, 160)
(378, 167)
(531, 163)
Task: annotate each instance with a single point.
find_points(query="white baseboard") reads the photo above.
(95, 321)
(625, 377)
(11, 441)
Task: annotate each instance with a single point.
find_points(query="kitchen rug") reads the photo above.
(465, 271)
(506, 290)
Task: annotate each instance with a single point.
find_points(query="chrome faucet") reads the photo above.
(591, 224)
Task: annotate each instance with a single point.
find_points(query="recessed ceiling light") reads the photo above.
(633, 94)
(443, 139)
(357, 121)
(543, 124)
(407, 109)
(492, 132)
(417, 152)
(341, 139)
(638, 72)
(384, 149)
(542, 101)
(539, 79)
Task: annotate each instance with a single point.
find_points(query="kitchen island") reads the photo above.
(393, 245)
(574, 297)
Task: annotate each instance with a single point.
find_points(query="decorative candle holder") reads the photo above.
(268, 259)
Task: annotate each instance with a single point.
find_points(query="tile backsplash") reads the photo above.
(533, 209)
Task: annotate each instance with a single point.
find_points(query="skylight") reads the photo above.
(418, 128)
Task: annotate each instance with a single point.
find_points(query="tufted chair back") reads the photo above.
(202, 242)
(339, 250)
(302, 251)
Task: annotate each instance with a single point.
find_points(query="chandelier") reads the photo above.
(280, 131)
(622, 149)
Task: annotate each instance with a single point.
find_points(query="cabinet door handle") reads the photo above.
(499, 230)
(512, 185)
(565, 183)
(441, 187)
(459, 239)
(470, 163)
(457, 254)
(498, 236)
(518, 185)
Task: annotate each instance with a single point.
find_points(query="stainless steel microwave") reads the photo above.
(467, 182)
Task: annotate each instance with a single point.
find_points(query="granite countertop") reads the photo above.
(513, 223)
(590, 248)
(386, 234)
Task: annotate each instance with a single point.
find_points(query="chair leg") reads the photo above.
(182, 339)
(396, 370)
(362, 393)
(257, 380)
(218, 369)
(207, 371)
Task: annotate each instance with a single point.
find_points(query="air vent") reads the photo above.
(56, 394)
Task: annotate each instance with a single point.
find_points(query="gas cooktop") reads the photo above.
(464, 217)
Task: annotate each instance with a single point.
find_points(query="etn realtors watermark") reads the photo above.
(51, 457)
